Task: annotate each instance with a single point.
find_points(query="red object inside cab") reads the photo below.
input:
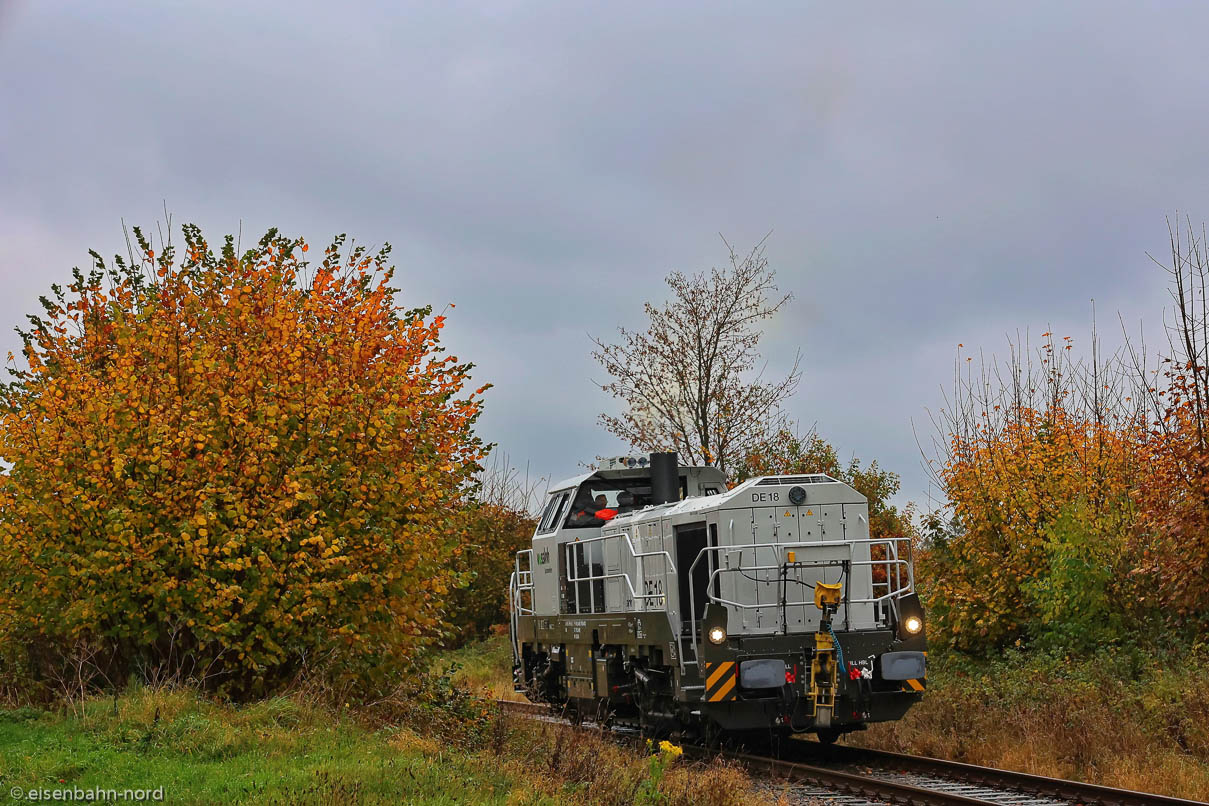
(606, 514)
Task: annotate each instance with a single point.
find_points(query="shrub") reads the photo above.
(1040, 477)
(493, 534)
(235, 468)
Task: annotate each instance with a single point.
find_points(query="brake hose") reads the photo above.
(839, 650)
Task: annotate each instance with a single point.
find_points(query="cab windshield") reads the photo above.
(597, 501)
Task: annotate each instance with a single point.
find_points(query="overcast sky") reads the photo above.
(932, 174)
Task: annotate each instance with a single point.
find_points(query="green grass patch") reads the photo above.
(483, 667)
(278, 751)
(432, 745)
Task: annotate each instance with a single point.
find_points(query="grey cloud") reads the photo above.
(933, 174)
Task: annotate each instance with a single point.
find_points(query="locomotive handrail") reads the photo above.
(897, 593)
(572, 576)
(892, 560)
(889, 542)
(520, 581)
(522, 578)
(622, 537)
(667, 555)
(516, 589)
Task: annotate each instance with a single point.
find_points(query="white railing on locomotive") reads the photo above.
(629, 544)
(879, 602)
(898, 572)
(524, 576)
(892, 564)
(514, 614)
(896, 585)
(623, 539)
(521, 583)
(516, 593)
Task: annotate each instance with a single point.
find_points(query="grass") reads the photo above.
(291, 751)
(1122, 718)
(278, 751)
(483, 667)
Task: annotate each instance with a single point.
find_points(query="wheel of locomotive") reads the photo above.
(645, 726)
(533, 689)
(778, 739)
(546, 682)
(645, 700)
(828, 736)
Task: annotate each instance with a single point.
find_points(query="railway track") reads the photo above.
(855, 777)
(1053, 790)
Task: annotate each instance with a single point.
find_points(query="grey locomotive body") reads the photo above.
(657, 595)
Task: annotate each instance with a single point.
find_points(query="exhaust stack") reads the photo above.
(665, 478)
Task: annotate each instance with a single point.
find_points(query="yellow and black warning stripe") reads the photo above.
(721, 681)
(913, 685)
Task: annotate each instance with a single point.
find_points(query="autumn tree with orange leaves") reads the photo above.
(1040, 457)
(1078, 487)
(500, 518)
(231, 468)
(1174, 498)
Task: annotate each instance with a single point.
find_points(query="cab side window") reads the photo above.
(545, 518)
(553, 513)
(560, 510)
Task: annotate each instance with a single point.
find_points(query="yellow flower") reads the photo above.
(675, 751)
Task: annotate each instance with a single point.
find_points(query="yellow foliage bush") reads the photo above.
(1043, 500)
(235, 468)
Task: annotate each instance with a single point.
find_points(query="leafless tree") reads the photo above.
(992, 395)
(693, 380)
(508, 487)
(1185, 368)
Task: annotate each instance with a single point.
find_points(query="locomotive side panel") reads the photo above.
(545, 576)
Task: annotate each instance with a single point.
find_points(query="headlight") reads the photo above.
(913, 624)
(717, 635)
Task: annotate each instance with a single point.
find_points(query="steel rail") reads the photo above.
(1058, 788)
(836, 780)
(850, 783)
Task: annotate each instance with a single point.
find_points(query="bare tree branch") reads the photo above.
(690, 381)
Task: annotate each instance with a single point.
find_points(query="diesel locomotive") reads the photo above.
(656, 595)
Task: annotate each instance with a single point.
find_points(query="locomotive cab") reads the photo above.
(576, 511)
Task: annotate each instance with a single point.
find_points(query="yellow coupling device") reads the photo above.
(827, 595)
(823, 667)
(822, 679)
